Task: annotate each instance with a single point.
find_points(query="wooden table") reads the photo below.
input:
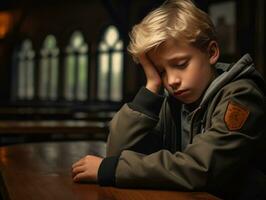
(42, 171)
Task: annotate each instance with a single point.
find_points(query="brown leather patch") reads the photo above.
(235, 116)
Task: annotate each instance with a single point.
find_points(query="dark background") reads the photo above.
(36, 19)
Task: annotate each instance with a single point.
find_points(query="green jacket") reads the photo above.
(225, 151)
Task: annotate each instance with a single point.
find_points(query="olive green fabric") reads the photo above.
(216, 159)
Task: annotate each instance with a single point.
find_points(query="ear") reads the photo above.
(213, 52)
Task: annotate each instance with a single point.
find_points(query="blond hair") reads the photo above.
(178, 19)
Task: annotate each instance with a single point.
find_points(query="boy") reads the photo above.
(205, 134)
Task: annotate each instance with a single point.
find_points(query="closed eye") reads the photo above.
(181, 65)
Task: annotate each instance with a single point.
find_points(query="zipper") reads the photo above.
(192, 126)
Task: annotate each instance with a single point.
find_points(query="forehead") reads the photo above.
(171, 49)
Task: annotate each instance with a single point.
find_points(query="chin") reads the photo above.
(184, 101)
(188, 101)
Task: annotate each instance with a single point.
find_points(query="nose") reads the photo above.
(173, 81)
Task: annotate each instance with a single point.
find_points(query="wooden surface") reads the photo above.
(48, 113)
(42, 171)
(51, 126)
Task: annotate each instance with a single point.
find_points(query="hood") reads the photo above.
(244, 68)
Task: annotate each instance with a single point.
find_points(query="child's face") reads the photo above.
(185, 70)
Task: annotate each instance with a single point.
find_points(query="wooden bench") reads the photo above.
(35, 124)
(42, 171)
(51, 130)
(42, 113)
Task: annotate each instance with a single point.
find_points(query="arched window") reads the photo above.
(25, 70)
(48, 72)
(110, 66)
(76, 74)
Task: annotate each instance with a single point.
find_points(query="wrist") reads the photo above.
(97, 169)
(154, 88)
(106, 172)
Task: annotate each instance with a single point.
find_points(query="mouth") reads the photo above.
(180, 92)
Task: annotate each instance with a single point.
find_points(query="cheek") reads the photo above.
(194, 77)
(202, 77)
(199, 73)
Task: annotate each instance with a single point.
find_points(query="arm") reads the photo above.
(213, 159)
(136, 124)
(130, 129)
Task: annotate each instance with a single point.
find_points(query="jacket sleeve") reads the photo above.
(213, 158)
(136, 124)
(132, 128)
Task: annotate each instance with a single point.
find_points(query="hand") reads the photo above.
(154, 80)
(86, 169)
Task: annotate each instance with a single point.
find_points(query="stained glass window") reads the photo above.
(25, 82)
(110, 66)
(76, 71)
(48, 71)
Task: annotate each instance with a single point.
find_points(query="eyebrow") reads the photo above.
(178, 58)
(171, 59)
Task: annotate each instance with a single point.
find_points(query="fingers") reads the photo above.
(78, 167)
(145, 62)
(77, 170)
(80, 177)
(86, 169)
(149, 68)
(80, 162)
(154, 80)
